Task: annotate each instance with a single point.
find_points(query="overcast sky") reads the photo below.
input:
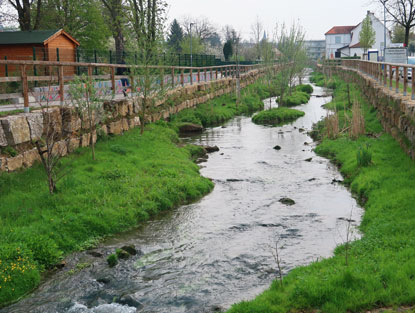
(317, 16)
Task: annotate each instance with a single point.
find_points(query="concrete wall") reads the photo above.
(18, 133)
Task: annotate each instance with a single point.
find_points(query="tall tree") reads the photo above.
(402, 13)
(201, 27)
(175, 36)
(257, 29)
(115, 10)
(83, 19)
(147, 19)
(228, 49)
(367, 36)
(29, 13)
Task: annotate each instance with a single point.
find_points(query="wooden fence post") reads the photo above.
(182, 77)
(172, 77)
(113, 80)
(61, 85)
(25, 88)
(191, 76)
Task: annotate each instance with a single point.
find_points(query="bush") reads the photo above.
(45, 250)
(364, 156)
(112, 260)
(296, 98)
(277, 116)
(305, 88)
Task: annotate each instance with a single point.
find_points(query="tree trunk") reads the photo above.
(407, 31)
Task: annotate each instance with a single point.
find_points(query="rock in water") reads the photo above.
(277, 147)
(308, 160)
(210, 149)
(190, 128)
(130, 249)
(287, 201)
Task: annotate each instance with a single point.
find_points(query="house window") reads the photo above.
(338, 39)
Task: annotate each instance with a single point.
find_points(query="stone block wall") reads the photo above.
(18, 133)
(396, 111)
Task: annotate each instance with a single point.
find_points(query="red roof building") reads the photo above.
(340, 30)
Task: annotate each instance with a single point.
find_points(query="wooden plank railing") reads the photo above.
(56, 72)
(400, 76)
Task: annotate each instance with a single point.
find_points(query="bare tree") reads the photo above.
(88, 101)
(402, 12)
(201, 27)
(275, 250)
(257, 30)
(29, 13)
(50, 146)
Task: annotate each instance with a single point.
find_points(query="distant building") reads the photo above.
(344, 41)
(316, 49)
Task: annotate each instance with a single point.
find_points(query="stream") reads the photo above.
(205, 256)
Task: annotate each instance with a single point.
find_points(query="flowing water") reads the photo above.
(205, 256)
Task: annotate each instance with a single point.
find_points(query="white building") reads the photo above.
(351, 41)
(337, 38)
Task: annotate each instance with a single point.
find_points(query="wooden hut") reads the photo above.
(41, 45)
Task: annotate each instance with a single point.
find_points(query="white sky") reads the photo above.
(316, 17)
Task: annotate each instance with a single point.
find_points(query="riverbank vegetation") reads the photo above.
(377, 270)
(134, 177)
(277, 116)
(223, 108)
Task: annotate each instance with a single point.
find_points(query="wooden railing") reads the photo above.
(395, 76)
(58, 72)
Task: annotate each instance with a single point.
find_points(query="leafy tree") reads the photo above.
(82, 19)
(228, 49)
(175, 36)
(197, 45)
(367, 36)
(115, 12)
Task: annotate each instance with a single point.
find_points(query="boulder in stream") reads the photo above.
(130, 249)
(277, 147)
(190, 128)
(287, 201)
(210, 149)
(308, 160)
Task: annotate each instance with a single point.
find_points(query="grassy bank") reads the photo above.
(133, 178)
(381, 268)
(277, 116)
(224, 108)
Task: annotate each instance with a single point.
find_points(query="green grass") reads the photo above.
(221, 109)
(381, 269)
(12, 112)
(133, 178)
(277, 116)
(296, 98)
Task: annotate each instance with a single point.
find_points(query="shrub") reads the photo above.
(45, 250)
(305, 88)
(112, 260)
(277, 116)
(10, 151)
(118, 149)
(364, 156)
(296, 98)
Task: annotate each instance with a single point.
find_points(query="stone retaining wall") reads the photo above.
(396, 111)
(18, 133)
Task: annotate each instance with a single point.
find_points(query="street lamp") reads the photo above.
(191, 54)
